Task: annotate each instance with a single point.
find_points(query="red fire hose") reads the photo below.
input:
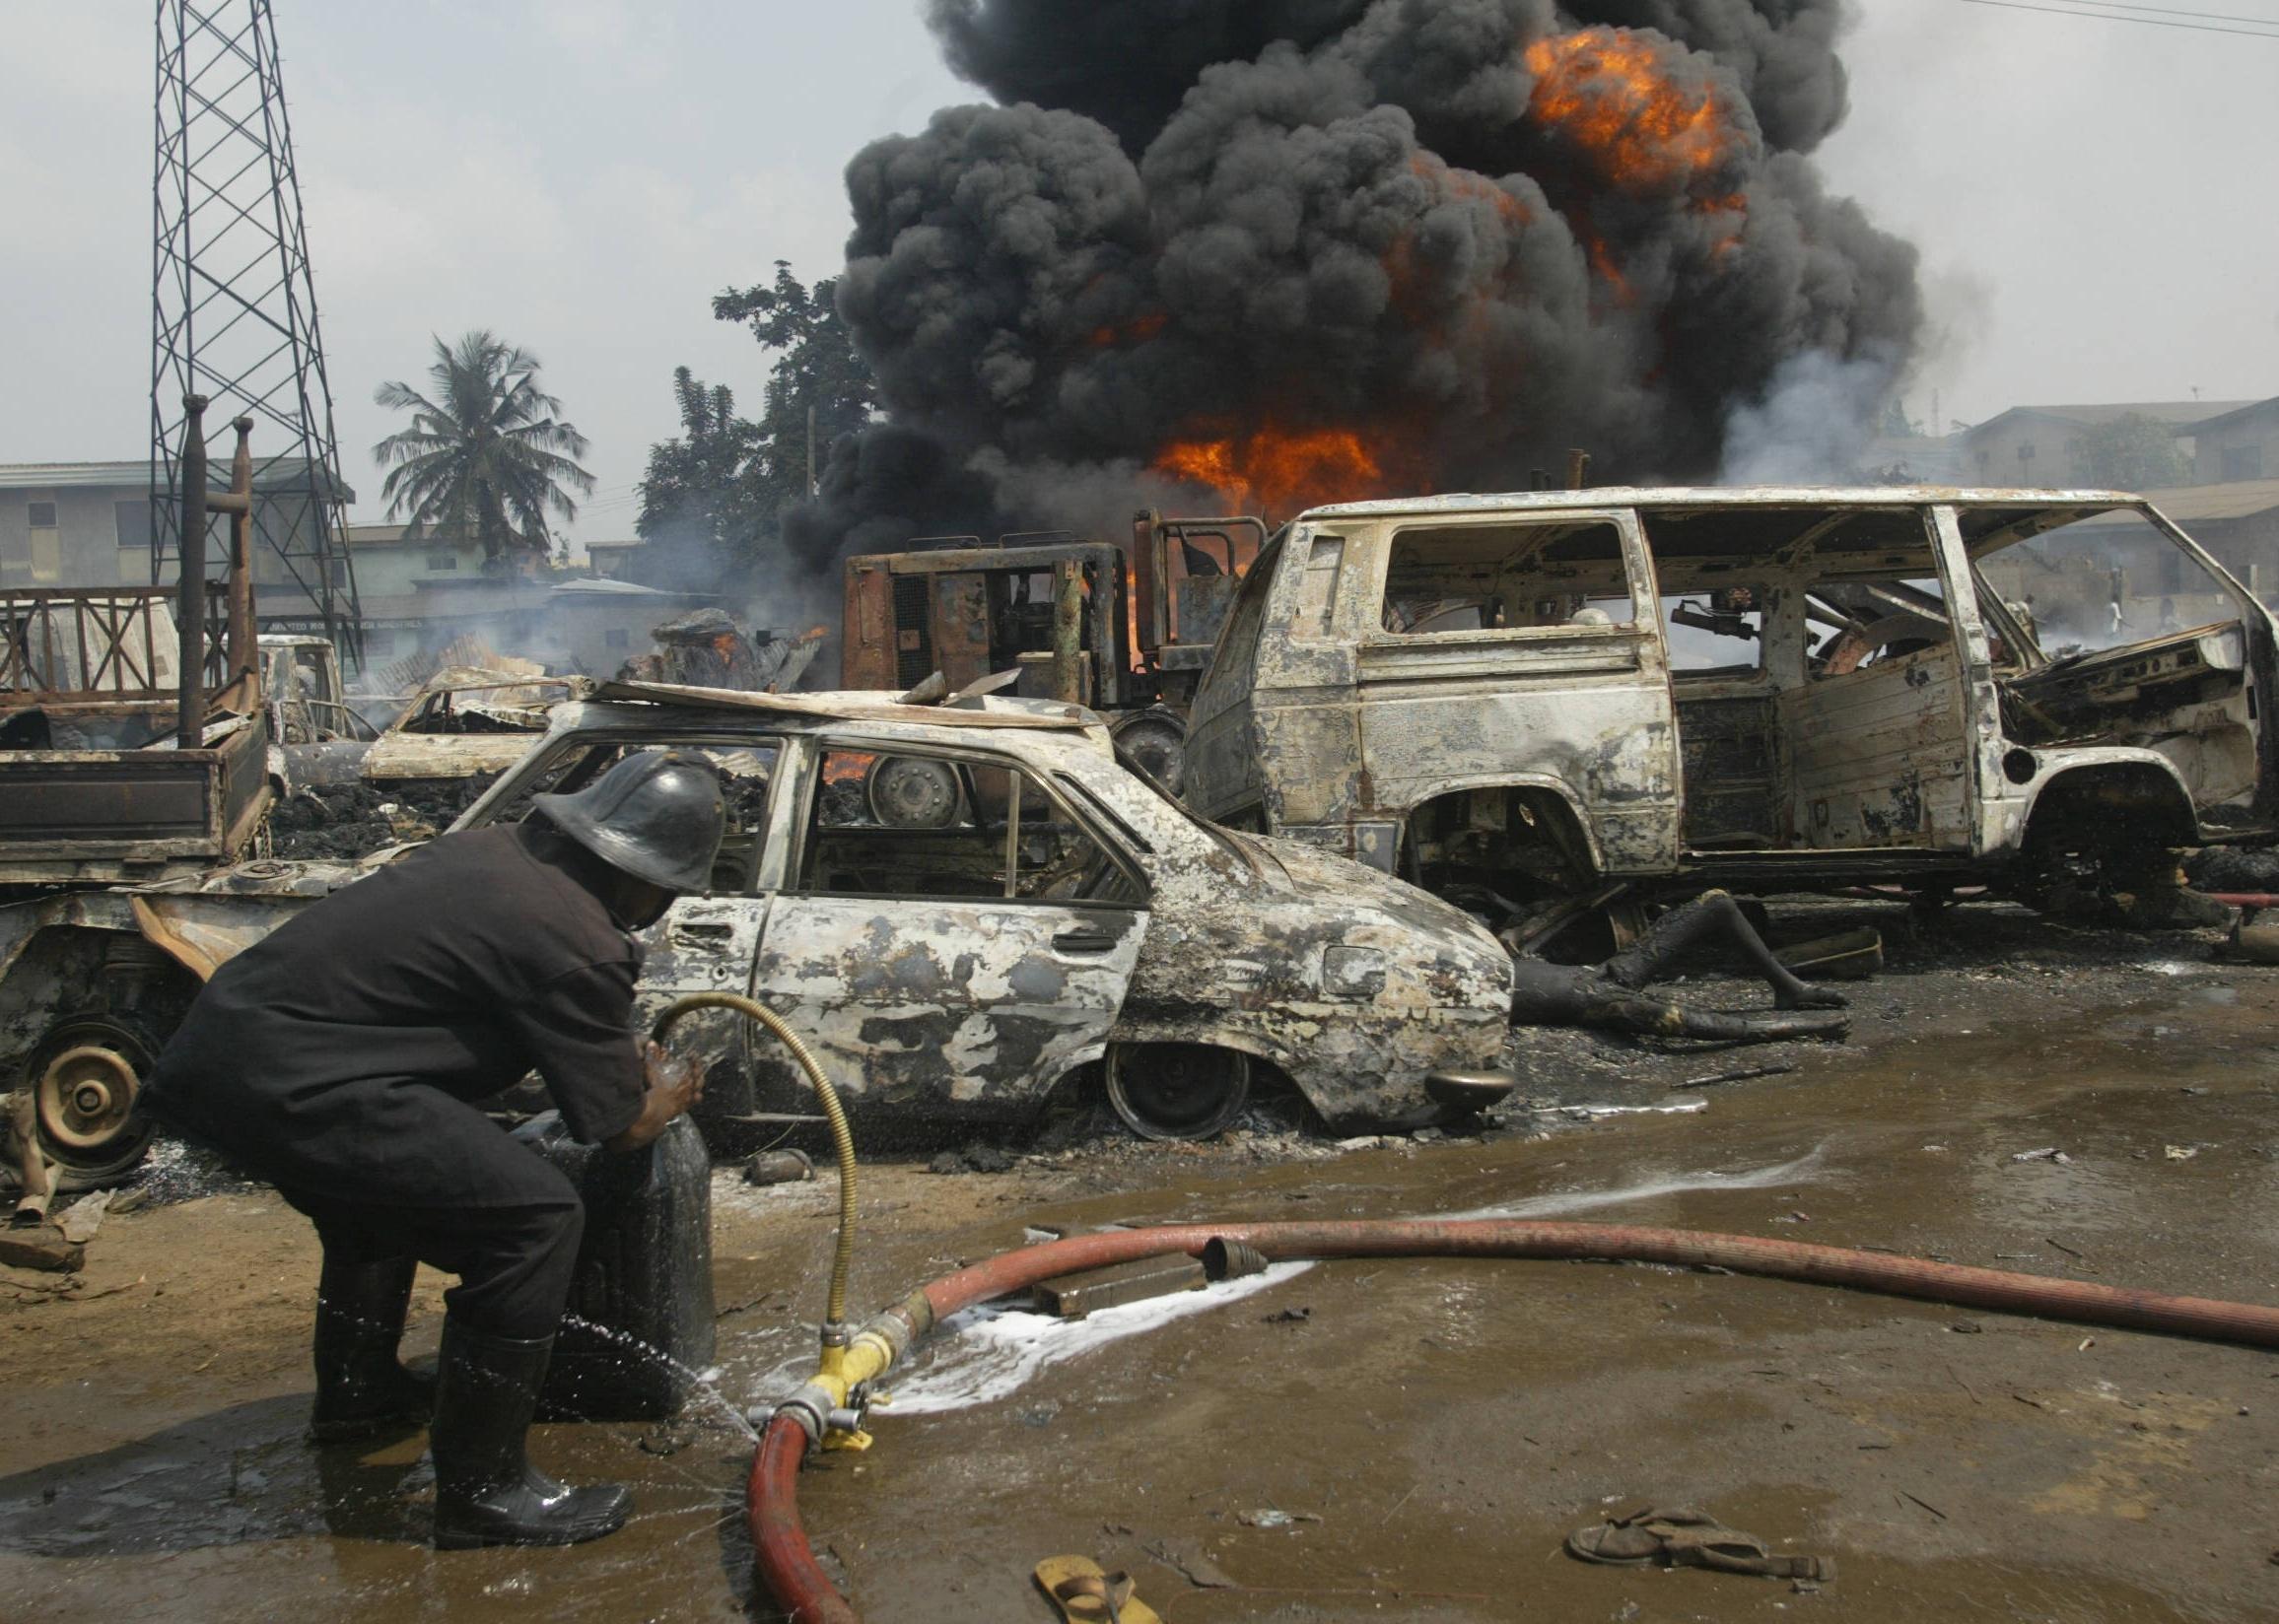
(786, 1565)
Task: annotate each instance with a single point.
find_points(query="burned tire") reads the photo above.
(2085, 879)
(2103, 849)
(85, 1075)
(1156, 739)
(1177, 1091)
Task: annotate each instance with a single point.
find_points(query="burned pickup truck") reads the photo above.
(1054, 916)
(1514, 699)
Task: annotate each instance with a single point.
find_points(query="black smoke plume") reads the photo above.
(1283, 251)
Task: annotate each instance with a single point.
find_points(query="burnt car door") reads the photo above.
(702, 943)
(949, 936)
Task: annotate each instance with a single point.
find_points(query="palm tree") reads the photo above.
(487, 456)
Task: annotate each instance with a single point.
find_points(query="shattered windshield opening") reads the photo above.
(2081, 582)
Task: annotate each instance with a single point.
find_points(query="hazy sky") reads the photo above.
(2092, 199)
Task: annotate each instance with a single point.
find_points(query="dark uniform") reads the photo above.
(337, 1058)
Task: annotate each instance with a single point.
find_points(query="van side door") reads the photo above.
(1520, 649)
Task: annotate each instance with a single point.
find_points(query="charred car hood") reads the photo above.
(1308, 870)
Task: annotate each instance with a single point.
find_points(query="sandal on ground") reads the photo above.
(1681, 1538)
(1085, 1596)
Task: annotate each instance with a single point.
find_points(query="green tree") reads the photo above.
(2132, 452)
(487, 457)
(720, 489)
(703, 507)
(816, 365)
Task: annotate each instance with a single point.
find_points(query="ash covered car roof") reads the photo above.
(859, 705)
(1709, 495)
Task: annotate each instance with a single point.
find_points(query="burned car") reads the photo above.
(961, 909)
(465, 721)
(1025, 909)
(1512, 698)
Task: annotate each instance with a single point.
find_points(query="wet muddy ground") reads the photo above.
(1348, 1441)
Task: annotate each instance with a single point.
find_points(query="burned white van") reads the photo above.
(1523, 697)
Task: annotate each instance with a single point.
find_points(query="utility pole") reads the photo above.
(811, 450)
(234, 311)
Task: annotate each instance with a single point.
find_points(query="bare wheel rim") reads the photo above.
(1177, 1091)
(912, 792)
(85, 1078)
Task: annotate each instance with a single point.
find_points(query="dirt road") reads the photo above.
(1357, 1439)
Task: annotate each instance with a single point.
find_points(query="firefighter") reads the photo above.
(339, 1060)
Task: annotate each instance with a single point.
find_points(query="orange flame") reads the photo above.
(847, 766)
(1137, 330)
(1280, 471)
(1608, 92)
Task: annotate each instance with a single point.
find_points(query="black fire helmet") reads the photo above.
(658, 815)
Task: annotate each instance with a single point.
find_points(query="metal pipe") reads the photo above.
(190, 701)
(1069, 631)
(785, 1563)
(244, 645)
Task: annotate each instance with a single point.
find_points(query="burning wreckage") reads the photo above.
(1536, 705)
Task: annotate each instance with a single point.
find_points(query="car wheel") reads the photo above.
(1158, 741)
(1177, 1091)
(84, 1076)
(912, 792)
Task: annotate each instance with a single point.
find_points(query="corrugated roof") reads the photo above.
(2226, 419)
(2240, 499)
(600, 586)
(80, 476)
(2177, 413)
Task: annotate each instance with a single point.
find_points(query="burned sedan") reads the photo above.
(965, 909)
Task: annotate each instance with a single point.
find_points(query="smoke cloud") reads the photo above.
(1273, 252)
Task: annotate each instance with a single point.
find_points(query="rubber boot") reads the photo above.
(361, 1386)
(487, 1492)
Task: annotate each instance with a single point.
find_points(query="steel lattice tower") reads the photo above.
(234, 309)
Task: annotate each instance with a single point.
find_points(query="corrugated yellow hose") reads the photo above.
(842, 1136)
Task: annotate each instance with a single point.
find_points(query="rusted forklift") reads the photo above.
(1126, 629)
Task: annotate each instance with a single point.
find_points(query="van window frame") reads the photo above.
(1637, 571)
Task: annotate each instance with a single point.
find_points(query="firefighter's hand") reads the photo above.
(675, 1084)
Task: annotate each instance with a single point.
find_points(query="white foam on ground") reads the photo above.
(990, 1352)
